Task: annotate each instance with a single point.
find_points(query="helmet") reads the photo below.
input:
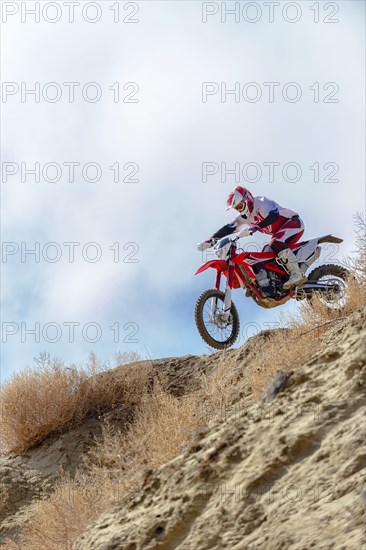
(240, 195)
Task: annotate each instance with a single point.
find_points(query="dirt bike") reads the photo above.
(262, 275)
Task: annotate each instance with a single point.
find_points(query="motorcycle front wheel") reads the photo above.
(217, 331)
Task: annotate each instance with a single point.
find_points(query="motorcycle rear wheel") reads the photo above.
(218, 334)
(335, 275)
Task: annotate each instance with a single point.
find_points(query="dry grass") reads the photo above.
(221, 388)
(162, 427)
(36, 403)
(61, 518)
(357, 262)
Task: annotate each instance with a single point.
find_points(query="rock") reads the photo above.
(277, 384)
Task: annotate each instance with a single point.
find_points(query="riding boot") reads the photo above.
(288, 258)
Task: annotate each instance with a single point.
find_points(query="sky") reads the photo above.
(125, 125)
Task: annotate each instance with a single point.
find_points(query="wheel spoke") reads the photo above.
(334, 298)
(211, 320)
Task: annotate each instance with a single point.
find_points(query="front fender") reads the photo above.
(220, 265)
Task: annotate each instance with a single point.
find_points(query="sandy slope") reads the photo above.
(282, 474)
(288, 474)
(28, 477)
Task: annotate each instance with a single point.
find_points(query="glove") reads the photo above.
(247, 231)
(206, 244)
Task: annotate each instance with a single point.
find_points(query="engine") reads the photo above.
(270, 283)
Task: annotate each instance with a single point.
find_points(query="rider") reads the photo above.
(264, 215)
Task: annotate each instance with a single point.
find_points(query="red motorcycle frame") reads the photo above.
(237, 278)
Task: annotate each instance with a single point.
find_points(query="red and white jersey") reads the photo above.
(261, 209)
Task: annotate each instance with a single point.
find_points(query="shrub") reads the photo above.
(36, 403)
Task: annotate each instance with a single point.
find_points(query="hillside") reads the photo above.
(286, 471)
(289, 475)
(29, 476)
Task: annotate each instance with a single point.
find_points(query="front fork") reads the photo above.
(227, 299)
(227, 302)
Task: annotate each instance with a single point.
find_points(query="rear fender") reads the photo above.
(330, 239)
(309, 250)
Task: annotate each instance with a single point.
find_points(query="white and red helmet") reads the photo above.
(241, 199)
